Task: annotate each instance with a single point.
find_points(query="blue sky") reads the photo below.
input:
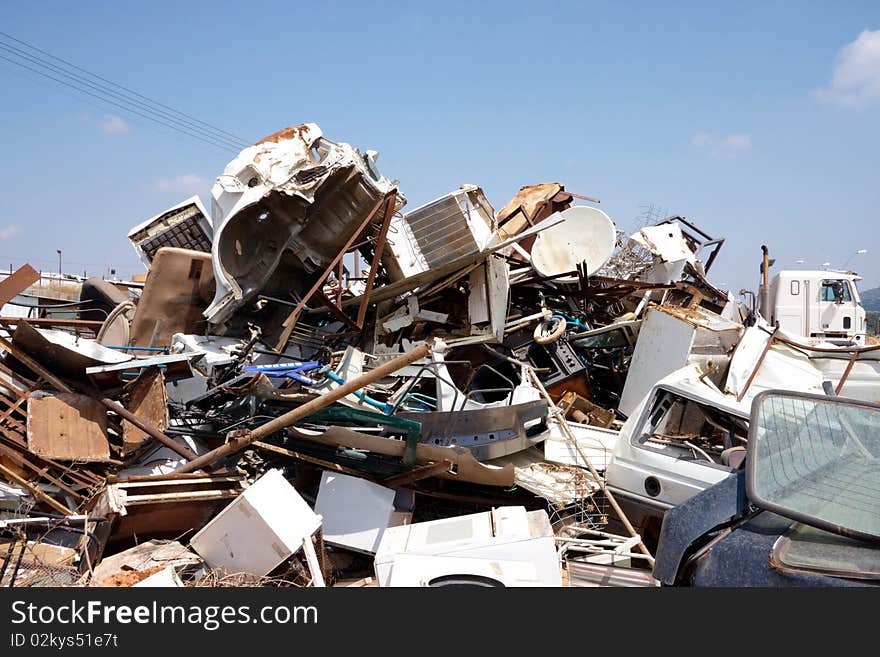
(758, 121)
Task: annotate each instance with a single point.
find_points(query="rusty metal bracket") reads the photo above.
(758, 365)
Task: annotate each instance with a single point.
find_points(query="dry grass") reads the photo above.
(214, 579)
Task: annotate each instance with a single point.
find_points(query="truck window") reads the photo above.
(830, 290)
(795, 288)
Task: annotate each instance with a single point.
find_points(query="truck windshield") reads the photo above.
(816, 459)
(830, 290)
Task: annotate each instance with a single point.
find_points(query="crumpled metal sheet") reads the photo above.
(284, 206)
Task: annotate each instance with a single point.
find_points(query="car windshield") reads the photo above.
(815, 459)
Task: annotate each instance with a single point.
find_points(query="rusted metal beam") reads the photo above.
(238, 443)
(91, 324)
(757, 365)
(43, 473)
(849, 366)
(36, 492)
(327, 465)
(335, 309)
(195, 477)
(390, 201)
(583, 198)
(290, 322)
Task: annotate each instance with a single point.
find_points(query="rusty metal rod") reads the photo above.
(238, 443)
(849, 366)
(758, 365)
(390, 202)
(111, 405)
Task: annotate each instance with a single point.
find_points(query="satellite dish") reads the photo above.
(586, 234)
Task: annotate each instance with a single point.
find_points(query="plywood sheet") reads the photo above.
(67, 427)
(149, 402)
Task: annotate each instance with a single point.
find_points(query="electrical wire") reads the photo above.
(129, 101)
(119, 86)
(78, 79)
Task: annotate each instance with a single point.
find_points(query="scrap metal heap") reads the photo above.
(313, 379)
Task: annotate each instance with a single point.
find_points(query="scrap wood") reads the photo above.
(67, 427)
(147, 399)
(17, 282)
(112, 405)
(35, 491)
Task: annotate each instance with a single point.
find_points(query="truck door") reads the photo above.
(836, 308)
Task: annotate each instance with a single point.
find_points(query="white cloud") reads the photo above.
(114, 125)
(735, 142)
(855, 82)
(8, 232)
(187, 183)
(738, 141)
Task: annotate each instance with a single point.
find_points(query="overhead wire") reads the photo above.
(187, 125)
(119, 86)
(125, 100)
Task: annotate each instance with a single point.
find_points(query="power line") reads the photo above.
(188, 125)
(119, 86)
(72, 86)
(100, 88)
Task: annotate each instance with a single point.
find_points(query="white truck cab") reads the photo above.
(818, 304)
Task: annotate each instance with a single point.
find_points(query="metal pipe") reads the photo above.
(563, 423)
(764, 290)
(236, 444)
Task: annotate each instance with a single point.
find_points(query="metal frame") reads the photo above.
(389, 202)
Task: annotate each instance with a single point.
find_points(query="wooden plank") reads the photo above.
(36, 492)
(17, 282)
(23, 465)
(149, 402)
(67, 427)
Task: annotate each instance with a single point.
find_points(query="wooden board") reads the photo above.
(18, 281)
(149, 402)
(67, 427)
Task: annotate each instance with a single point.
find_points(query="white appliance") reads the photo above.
(355, 511)
(265, 525)
(506, 534)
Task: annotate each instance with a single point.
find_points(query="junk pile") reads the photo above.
(316, 385)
